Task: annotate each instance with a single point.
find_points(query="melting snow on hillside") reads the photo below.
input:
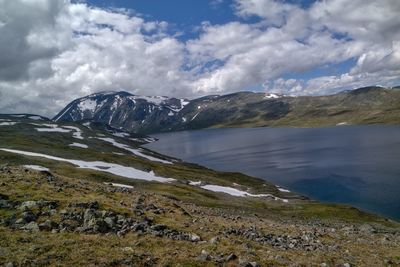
(112, 168)
(8, 123)
(137, 152)
(78, 145)
(54, 128)
(234, 192)
(271, 96)
(51, 128)
(77, 134)
(36, 168)
(120, 185)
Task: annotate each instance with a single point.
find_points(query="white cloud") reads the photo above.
(52, 51)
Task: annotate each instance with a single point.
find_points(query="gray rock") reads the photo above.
(231, 257)
(27, 205)
(5, 204)
(195, 238)
(204, 256)
(89, 218)
(48, 225)
(100, 226)
(110, 221)
(20, 221)
(158, 227)
(245, 263)
(28, 216)
(32, 226)
(215, 240)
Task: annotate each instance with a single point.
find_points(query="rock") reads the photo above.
(366, 229)
(5, 204)
(244, 263)
(215, 240)
(110, 221)
(158, 227)
(32, 226)
(346, 264)
(100, 227)
(20, 221)
(194, 238)
(9, 264)
(28, 216)
(230, 257)
(204, 256)
(27, 205)
(48, 225)
(89, 218)
(93, 205)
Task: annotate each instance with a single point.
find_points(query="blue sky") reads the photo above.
(53, 51)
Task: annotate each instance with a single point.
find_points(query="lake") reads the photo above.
(356, 165)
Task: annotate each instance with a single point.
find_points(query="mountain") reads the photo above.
(124, 110)
(368, 105)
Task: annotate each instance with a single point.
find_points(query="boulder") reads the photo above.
(27, 205)
(32, 227)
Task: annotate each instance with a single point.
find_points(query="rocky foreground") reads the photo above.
(48, 219)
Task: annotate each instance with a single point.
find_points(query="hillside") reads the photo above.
(369, 105)
(75, 194)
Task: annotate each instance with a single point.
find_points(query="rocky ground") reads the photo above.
(48, 219)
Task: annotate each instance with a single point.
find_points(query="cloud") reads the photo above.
(74, 50)
(53, 51)
(291, 39)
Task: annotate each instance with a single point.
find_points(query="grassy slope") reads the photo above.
(213, 211)
(362, 106)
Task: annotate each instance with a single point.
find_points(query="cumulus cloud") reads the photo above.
(292, 39)
(52, 51)
(69, 50)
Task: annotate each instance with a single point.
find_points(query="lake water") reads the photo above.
(356, 165)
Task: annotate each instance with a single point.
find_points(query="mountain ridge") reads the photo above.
(150, 114)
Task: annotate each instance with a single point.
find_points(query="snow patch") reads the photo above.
(36, 168)
(195, 116)
(136, 152)
(271, 96)
(77, 134)
(53, 130)
(120, 185)
(78, 145)
(194, 183)
(238, 193)
(282, 189)
(157, 100)
(35, 118)
(88, 104)
(342, 123)
(8, 123)
(122, 135)
(112, 168)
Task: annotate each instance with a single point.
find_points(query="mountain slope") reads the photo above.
(75, 194)
(124, 110)
(370, 105)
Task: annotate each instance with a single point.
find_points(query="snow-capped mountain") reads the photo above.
(150, 114)
(123, 110)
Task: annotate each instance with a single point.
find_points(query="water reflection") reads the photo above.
(358, 165)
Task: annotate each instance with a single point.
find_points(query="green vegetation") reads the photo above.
(335, 234)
